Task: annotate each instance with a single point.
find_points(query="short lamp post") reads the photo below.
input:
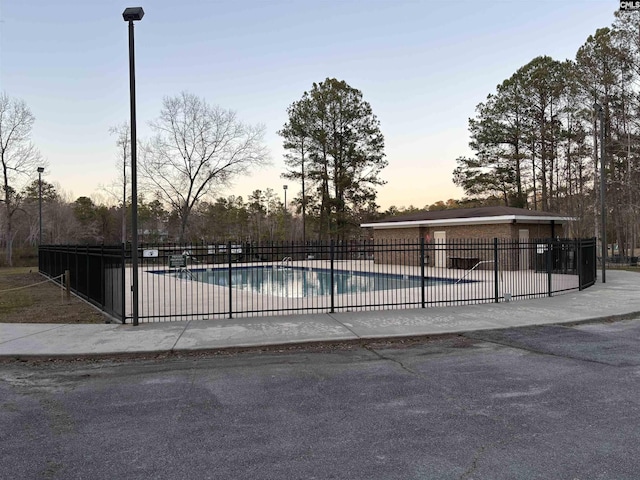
(133, 14)
(603, 224)
(40, 170)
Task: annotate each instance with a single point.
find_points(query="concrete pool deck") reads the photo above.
(618, 299)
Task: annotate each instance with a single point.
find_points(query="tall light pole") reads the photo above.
(133, 14)
(284, 187)
(40, 170)
(603, 225)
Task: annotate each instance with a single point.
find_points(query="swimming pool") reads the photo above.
(292, 282)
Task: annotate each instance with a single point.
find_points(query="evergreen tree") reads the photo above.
(335, 147)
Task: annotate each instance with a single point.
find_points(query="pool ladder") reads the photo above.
(286, 261)
(186, 273)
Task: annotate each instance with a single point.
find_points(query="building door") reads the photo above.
(440, 240)
(523, 236)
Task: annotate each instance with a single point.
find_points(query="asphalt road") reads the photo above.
(532, 403)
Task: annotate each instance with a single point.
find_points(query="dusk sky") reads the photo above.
(423, 65)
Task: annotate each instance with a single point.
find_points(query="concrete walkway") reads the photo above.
(617, 299)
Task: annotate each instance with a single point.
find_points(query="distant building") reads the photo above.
(442, 226)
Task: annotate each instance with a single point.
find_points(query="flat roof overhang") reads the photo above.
(470, 221)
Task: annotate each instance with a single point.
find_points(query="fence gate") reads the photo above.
(587, 262)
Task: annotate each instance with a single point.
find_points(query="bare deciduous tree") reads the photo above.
(19, 159)
(118, 189)
(196, 149)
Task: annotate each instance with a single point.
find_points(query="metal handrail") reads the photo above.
(285, 261)
(472, 269)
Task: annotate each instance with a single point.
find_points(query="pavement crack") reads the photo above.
(390, 359)
(526, 348)
(474, 463)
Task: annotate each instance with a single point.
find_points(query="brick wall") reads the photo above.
(509, 257)
(389, 234)
(393, 252)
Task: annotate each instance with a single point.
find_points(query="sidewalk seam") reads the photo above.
(173, 348)
(35, 333)
(330, 315)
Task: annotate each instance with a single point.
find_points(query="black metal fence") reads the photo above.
(96, 273)
(620, 261)
(587, 262)
(225, 280)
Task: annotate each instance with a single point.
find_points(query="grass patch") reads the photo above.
(8, 271)
(26, 297)
(13, 294)
(13, 301)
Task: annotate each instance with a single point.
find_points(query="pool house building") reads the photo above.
(447, 232)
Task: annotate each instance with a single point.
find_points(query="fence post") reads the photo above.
(67, 284)
(495, 270)
(594, 261)
(579, 262)
(103, 293)
(422, 272)
(549, 265)
(332, 255)
(123, 286)
(88, 267)
(230, 279)
(76, 275)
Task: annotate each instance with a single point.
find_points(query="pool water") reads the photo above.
(297, 282)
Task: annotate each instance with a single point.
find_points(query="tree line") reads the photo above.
(536, 138)
(261, 217)
(535, 143)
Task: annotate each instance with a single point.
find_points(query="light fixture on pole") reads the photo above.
(133, 14)
(284, 187)
(603, 225)
(40, 170)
